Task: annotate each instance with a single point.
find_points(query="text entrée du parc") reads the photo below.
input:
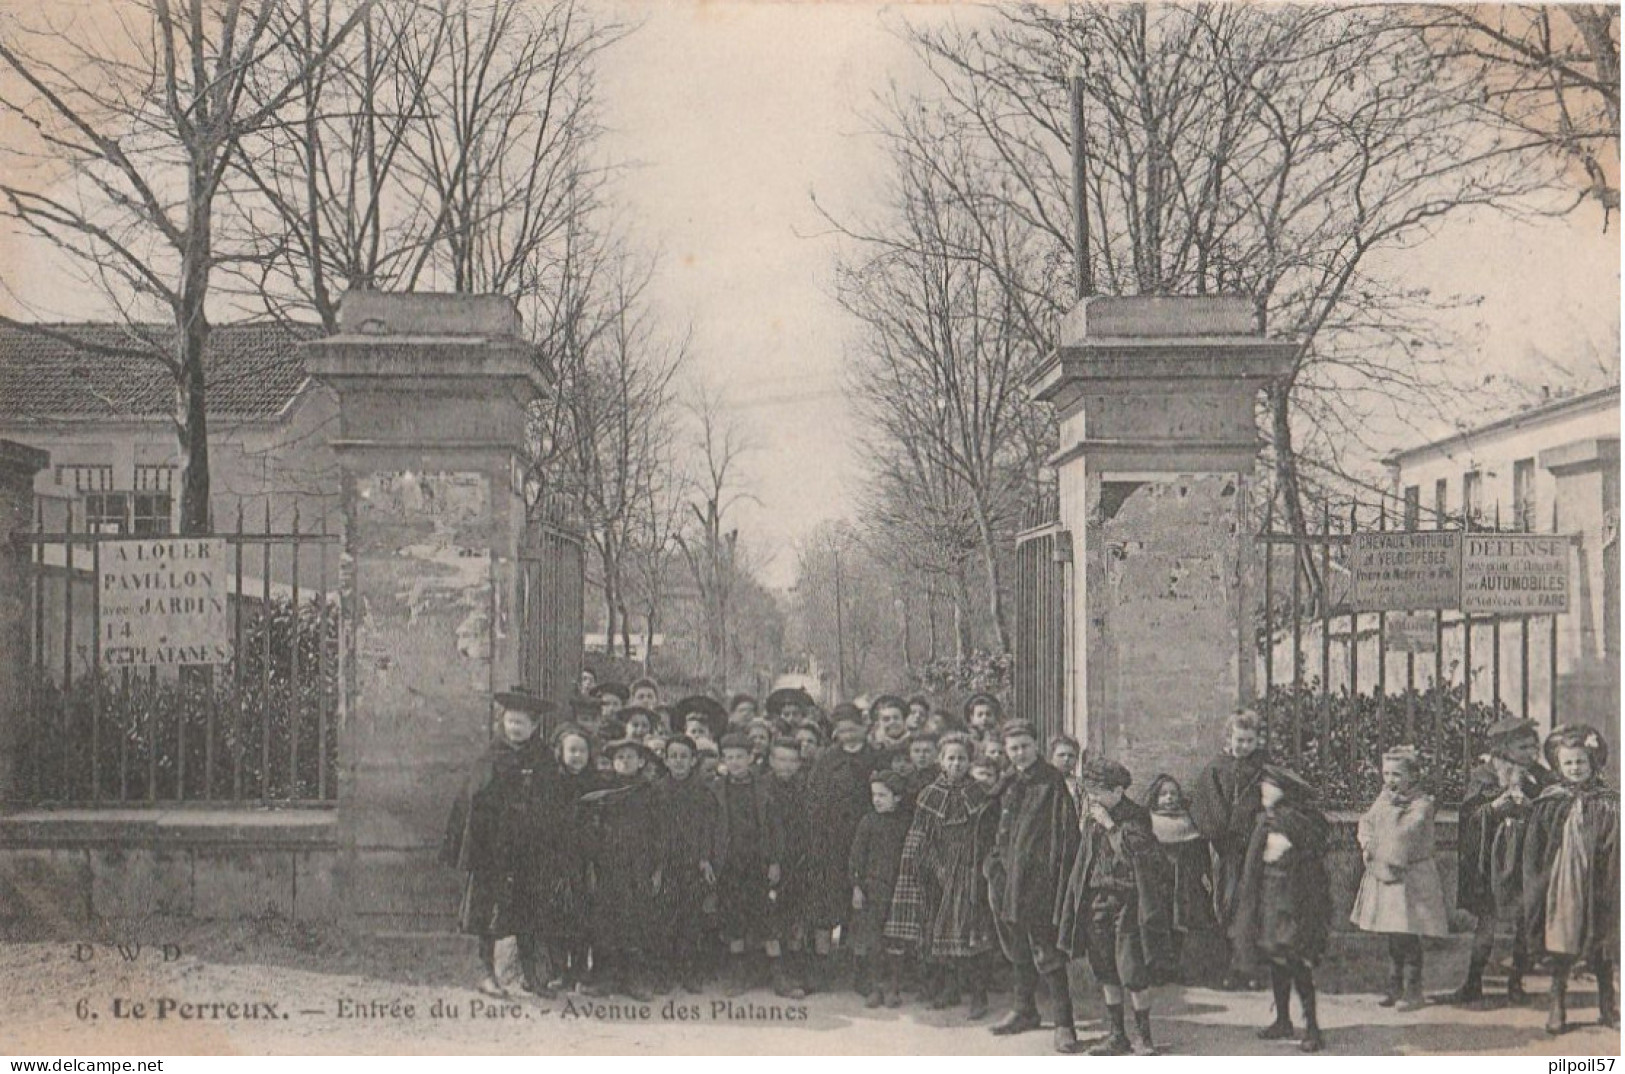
(581, 1008)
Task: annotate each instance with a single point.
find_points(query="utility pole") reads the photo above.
(1080, 194)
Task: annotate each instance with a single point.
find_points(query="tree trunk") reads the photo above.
(1286, 476)
(191, 399)
(650, 614)
(962, 626)
(990, 566)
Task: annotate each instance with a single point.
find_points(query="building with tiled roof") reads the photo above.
(98, 398)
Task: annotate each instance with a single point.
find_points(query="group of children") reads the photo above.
(641, 847)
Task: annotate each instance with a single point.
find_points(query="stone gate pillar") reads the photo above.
(1157, 400)
(433, 395)
(18, 465)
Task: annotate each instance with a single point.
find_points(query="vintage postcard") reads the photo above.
(597, 527)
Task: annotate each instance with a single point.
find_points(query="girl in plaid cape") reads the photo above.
(940, 905)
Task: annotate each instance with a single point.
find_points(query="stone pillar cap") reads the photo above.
(1161, 338)
(428, 315)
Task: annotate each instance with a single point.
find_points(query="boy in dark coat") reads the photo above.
(498, 835)
(627, 843)
(837, 800)
(692, 817)
(752, 847)
(1026, 875)
(877, 850)
(1501, 791)
(1114, 910)
(1571, 872)
(1283, 905)
(787, 800)
(1225, 806)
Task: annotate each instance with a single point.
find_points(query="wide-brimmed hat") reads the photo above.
(1577, 736)
(982, 699)
(523, 699)
(788, 695)
(612, 748)
(706, 708)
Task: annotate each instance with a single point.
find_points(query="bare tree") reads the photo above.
(940, 372)
(615, 399)
(844, 606)
(710, 542)
(1551, 72)
(451, 145)
(1276, 152)
(145, 115)
(653, 553)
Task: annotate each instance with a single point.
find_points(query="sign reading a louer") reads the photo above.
(1515, 574)
(163, 602)
(1405, 572)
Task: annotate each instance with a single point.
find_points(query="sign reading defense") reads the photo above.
(1515, 574)
(1406, 572)
(163, 602)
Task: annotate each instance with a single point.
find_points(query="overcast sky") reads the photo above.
(735, 112)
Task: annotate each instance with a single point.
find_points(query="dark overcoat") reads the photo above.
(499, 834)
(1148, 882)
(1033, 845)
(1225, 805)
(837, 800)
(1283, 909)
(627, 842)
(877, 854)
(1590, 898)
(1489, 841)
(693, 821)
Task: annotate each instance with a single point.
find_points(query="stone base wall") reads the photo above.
(61, 872)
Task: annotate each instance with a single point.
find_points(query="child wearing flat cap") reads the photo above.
(1114, 909)
(627, 842)
(1501, 791)
(837, 800)
(751, 848)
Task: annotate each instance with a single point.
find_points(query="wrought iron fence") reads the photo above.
(260, 727)
(1336, 692)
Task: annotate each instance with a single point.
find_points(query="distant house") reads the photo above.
(107, 422)
(1554, 466)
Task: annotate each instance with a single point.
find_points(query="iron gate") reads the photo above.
(1043, 555)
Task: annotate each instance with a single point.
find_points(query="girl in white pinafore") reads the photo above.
(1400, 894)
